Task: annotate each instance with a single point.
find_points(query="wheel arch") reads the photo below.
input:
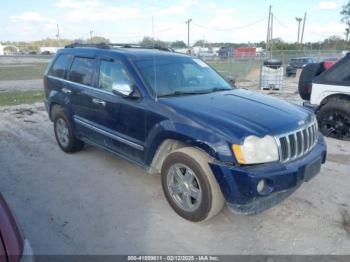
(166, 144)
(335, 96)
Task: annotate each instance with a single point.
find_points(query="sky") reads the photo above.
(128, 21)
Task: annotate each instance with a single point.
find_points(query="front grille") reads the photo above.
(298, 143)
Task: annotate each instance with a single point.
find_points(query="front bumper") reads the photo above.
(239, 183)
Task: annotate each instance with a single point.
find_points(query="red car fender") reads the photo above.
(10, 234)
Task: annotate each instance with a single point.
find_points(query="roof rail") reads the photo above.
(118, 45)
(99, 45)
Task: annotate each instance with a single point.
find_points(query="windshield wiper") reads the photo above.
(217, 89)
(184, 93)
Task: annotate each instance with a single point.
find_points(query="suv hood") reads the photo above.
(240, 113)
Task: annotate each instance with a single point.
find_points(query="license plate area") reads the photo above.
(312, 169)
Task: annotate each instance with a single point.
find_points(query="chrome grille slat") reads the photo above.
(288, 148)
(297, 143)
(302, 142)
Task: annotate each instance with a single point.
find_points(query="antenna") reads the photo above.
(154, 61)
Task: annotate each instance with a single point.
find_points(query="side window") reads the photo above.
(82, 70)
(59, 67)
(340, 73)
(113, 74)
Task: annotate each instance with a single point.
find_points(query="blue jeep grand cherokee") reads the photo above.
(173, 114)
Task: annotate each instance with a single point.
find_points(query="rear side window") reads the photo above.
(82, 70)
(58, 69)
(113, 74)
(340, 73)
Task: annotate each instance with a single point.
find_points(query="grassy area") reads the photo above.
(33, 71)
(20, 97)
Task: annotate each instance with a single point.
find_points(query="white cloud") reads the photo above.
(95, 11)
(105, 14)
(328, 5)
(178, 9)
(28, 17)
(77, 4)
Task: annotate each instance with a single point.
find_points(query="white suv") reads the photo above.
(329, 96)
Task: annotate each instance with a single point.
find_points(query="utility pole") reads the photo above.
(299, 19)
(153, 33)
(188, 34)
(302, 32)
(271, 35)
(268, 29)
(58, 36)
(91, 33)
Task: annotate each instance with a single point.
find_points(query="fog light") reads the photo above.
(261, 186)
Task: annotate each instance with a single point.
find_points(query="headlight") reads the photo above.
(256, 150)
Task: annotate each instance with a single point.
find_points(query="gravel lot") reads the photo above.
(92, 202)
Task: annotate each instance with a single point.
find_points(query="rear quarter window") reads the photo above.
(82, 70)
(340, 73)
(60, 66)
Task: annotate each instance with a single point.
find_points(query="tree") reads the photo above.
(200, 43)
(149, 41)
(98, 40)
(345, 13)
(178, 44)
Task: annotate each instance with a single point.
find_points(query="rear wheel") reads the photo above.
(189, 185)
(305, 80)
(64, 133)
(334, 119)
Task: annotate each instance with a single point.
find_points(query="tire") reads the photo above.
(334, 119)
(207, 200)
(305, 80)
(70, 144)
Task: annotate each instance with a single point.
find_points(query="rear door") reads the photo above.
(81, 80)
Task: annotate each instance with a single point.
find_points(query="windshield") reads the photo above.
(171, 76)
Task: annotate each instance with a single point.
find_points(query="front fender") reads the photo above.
(209, 142)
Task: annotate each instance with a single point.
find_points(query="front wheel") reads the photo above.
(189, 185)
(334, 119)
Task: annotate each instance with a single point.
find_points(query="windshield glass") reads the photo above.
(175, 75)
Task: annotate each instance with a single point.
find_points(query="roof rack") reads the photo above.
(118, 45)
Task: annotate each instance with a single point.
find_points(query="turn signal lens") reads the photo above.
(238, 153)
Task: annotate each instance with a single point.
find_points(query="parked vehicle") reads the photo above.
(328, 92)
(173, 115)
(329, 62)
(297, 63)
(13, 247)
(45, 53)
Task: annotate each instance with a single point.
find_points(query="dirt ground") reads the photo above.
(92, 202)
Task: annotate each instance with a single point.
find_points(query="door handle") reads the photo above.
(66, 90)
(98, 102)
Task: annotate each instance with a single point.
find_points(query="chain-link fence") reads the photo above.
(246, 68)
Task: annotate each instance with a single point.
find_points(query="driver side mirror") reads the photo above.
(231, 80)
(122, 89)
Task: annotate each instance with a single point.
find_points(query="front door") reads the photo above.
(116, 122)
